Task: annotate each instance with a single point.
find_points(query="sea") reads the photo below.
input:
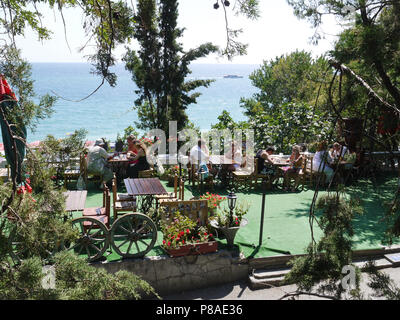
(109, 111)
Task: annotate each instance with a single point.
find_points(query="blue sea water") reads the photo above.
(107, 112)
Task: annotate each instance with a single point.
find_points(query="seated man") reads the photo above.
(199, 154)
(97, 162)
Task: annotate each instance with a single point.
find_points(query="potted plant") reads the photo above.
(214, 202)
(171, 172)
(229, 220)
(183, 236)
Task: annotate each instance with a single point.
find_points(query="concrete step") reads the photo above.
(268, 277)
(380, 263)
(264, 278)
(255, 284)
(270, 273)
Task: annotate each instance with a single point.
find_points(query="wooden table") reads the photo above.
(145, 188)
(119, 163)
(75, 200)
(220, 160)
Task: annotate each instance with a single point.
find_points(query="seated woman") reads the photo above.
(140, 157)
(265, 163)
(234, 154)
(321, 162)
(292, 171)
(338, 151)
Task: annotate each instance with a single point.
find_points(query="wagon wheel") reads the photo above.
(133, 235)
(93, 238)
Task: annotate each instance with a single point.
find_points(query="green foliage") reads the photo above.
(160, 66)
(181, 230)
(75, 280)
(226, 122)
(286, 111)
(49, 161)
(295, 77)
(381, 283)
(288, 125)
(325, 259)
(17, 72)
(225, 219)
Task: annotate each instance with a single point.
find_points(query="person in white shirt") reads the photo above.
(338, 151)
(320, 164)
(97, 161)
(235, 155)
(199, 154)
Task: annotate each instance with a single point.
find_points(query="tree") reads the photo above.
(160, 66)
(291, 106)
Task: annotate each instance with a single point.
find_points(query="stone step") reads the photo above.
(273, 277)
(265, 278)
(255, 284)
(380, 263)
(270, 273)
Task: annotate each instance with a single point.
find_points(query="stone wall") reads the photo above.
(173, 275)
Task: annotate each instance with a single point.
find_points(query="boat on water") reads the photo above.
(232, 76)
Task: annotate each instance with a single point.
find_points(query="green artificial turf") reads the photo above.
(286, 226)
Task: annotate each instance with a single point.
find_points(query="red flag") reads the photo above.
(5, 89)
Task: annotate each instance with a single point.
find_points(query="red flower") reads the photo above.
(183, 241)
(169, 243)
(163, 242)
(28, 188)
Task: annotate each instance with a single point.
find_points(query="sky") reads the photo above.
(277, 31)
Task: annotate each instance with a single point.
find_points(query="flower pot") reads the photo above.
(229, 232)
(193, 249)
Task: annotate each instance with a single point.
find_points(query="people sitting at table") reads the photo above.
(140, 157)
(97, 162)
(265, 163)
(199, 154)
(292, 170)
(132, 150)
(338, 151)
(235, 155)
(321, 161)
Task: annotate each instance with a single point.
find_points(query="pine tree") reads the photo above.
(160, 66)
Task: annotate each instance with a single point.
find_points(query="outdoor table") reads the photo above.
(75, 200)
(342, 167)
(220, 160)
(222, 164)
(145, 189)
(119, 162)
